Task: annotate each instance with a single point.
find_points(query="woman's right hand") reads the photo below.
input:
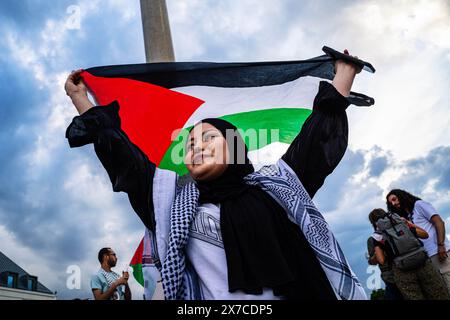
(74, 84)
(77, 91)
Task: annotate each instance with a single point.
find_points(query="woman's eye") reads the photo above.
(209, 137)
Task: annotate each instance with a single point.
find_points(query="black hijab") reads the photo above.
(263, 248)
(231, 183)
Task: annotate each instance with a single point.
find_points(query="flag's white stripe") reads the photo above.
(267, 155)
(219, 101)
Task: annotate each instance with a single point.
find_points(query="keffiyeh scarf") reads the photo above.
(283, 185)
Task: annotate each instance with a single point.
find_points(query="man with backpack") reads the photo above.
(397, 243)
(391, 291)
(423, 214)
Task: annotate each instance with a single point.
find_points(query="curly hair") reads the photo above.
(406, 199)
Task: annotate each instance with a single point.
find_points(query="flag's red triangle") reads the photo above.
(149, 113)
(137, 258)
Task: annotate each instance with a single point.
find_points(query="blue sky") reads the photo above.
(56, 205)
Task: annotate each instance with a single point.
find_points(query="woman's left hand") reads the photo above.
(342, 66)
(345, 73)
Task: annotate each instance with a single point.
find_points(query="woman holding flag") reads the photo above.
(231, 232)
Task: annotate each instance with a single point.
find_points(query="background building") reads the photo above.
(17, 284)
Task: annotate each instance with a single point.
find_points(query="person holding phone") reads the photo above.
(107, 284)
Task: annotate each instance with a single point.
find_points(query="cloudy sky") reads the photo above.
(56, 205)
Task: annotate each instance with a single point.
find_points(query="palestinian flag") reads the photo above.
(267, 101)
(136, 263)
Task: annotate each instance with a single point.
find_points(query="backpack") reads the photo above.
(408, 251)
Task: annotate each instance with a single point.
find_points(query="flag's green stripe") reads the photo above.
(286, 121)
(137, 273)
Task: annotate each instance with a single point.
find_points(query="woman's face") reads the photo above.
(394, 201)
(206, 153)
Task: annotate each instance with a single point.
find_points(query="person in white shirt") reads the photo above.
(107, 284)
(424, 215)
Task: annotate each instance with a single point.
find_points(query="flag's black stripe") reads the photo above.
(339, 55)
(231, 75)
(252, 74)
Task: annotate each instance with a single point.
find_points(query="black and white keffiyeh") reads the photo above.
(174, 266)
(282, 184)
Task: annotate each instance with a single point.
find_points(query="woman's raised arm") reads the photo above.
(128, 168)
(323, 139)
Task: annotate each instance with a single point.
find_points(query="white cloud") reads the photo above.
(35, 54)
(26, 258)
(402, 25)
(108, 214)
(89, 199)
(405, 41)
(199, 25)
(129, 11)
(24, 54)
(355, 206)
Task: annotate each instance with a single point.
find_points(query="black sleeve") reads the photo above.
(128, 168)
(322, 141)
